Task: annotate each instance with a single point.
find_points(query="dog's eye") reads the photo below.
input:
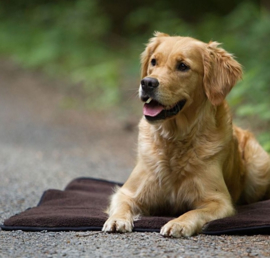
(153, 62)
(182, 67)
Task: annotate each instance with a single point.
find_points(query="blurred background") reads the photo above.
(93, 47)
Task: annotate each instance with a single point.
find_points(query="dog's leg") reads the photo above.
(257, 161)
(213, 202)
(120, 213)
(192, 222)
(123, 209)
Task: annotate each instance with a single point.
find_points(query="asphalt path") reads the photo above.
(43, 145)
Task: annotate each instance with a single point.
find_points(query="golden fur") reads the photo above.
(195, 163)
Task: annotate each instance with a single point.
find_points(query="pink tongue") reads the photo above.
(152, 109)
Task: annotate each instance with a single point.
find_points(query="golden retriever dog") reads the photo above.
(193, 163)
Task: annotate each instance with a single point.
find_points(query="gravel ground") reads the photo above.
(43, 146)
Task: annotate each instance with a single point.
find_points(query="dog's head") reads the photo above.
(180, 71)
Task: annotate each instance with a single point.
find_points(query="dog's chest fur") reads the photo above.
(172, 167)
(171, 158)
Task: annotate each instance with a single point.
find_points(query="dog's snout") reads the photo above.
(149, 83)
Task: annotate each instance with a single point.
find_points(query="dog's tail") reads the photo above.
(257, 160)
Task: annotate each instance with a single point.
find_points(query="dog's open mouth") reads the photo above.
(153, 110)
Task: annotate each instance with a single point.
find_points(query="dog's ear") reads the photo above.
(150, 48)
(221, 72)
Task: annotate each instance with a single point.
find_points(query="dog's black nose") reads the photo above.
(149, 83)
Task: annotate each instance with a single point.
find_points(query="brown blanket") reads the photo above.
(81, 207)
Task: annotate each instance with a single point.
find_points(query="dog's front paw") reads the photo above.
(117, 225)
(176, 228)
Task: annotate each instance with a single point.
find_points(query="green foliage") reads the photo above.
(103, 75)
(65, 40)
(80, 41)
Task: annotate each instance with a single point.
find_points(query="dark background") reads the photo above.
(95, 46)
